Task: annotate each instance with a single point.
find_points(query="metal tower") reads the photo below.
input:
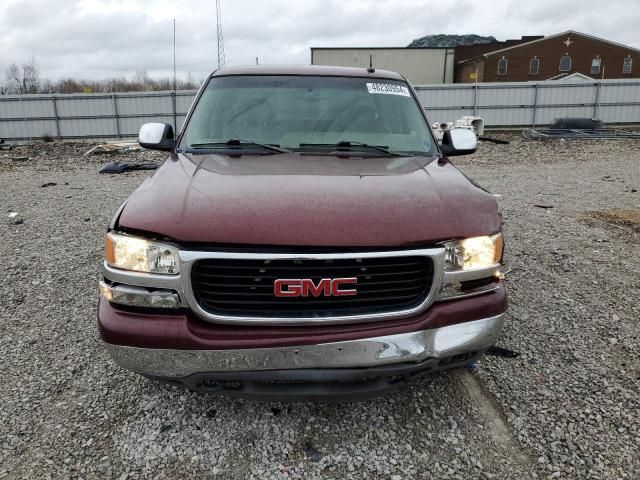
(220, 39)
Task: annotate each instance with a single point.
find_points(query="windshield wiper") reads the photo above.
(346, 145)
(237, 142)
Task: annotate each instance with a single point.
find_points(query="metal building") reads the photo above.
(421, 66)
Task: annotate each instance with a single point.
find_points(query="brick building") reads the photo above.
(546, 58)
(466, 52)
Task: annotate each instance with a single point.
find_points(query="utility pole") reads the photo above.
(174, 54)
(220, 38)
(173, 94)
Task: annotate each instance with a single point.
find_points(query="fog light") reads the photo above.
(455, 290)
(139, 296)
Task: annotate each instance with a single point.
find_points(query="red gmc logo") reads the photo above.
(304, 287)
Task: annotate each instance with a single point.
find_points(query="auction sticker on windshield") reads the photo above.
(388, 89)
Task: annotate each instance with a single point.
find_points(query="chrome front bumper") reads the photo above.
(404, 348)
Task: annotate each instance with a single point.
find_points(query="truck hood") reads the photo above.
(309, 200)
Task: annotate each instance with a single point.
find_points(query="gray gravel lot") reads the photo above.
(567, 407)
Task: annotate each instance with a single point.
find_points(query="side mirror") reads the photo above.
(156, 136)
(459, 141)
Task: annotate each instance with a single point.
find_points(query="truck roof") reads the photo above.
(312, 70)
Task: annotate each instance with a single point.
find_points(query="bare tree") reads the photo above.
(142, 81)
(30, 76)
(13, 79)
(46, 86)
(24, 78)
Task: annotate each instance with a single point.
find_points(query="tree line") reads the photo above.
(25, 78)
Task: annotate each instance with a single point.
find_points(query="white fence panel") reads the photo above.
(84, 106)
(509, 96)
(131, 126)
(505, 116)
(533, 103)
(449, 96)
(27, 106)
(132, 105)
(117, 115)
(18, 129)
(86, 127)
(563, 95)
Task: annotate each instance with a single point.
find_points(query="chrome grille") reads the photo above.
(244, 287)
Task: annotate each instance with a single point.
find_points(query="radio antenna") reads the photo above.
(174, 54)
(220, 38)
(173, 97)
(371, 69)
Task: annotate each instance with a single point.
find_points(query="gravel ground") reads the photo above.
(567, 407)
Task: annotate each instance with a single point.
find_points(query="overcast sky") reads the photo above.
(99, 38)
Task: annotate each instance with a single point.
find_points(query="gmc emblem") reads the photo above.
(303, 287)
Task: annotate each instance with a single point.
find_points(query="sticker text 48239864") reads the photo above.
(388, 89)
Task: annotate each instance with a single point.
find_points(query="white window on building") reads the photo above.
(502, 66)
(595, 65)
(627, 64)
(565, 63)
(534, 66)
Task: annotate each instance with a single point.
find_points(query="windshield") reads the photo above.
(306, 113)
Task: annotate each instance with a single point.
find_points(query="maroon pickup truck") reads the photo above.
(307, 238)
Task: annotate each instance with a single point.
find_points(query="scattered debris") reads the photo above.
(580, 123)
(115, 147)
(20, 159)
(211, 412)
(468, 122)
(15, 219)
(313, 454)
(494, 140)
(117, 167)
(579, 133)
(627, 220)
(48, 184)
(502, 352)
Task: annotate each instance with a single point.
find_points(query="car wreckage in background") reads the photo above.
(475, 124)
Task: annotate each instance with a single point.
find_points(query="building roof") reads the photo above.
(382, 48)
(561, 34)
(574, 77)
(310, 70)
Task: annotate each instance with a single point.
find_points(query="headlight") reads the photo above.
(472, 253)
(139, 296)
(140, 255)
